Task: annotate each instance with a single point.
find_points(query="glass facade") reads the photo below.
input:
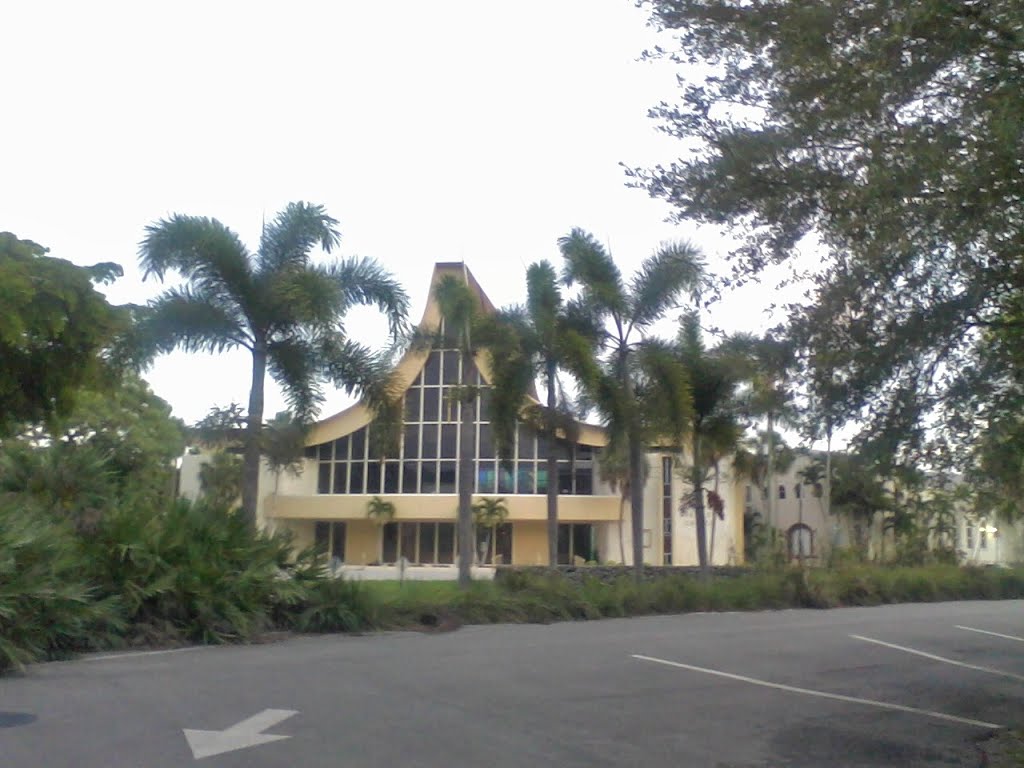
(427, 461)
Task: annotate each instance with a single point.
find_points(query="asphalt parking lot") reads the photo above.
(911, 685)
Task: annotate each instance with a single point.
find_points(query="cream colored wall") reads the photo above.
(362, 542)
(530, 543)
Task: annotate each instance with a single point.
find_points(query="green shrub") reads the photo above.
(194, 572)
(47, 609)
(335, 605)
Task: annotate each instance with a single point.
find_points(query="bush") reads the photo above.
(193, 573)
(47, 609)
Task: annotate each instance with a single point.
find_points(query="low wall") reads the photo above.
(412, 573)
(607, 573)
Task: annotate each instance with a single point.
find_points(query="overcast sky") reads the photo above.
(444, 131)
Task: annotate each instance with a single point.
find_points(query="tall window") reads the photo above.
(330, 539)
(427, 461)
(666, 508)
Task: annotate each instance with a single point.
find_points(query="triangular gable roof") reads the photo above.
(408, 368)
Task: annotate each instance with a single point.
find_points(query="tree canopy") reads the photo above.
(55, 331)
(889, 136)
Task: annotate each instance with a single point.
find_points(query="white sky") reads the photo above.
(444, 131)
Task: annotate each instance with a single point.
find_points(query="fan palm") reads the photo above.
(637, 385)
(277, 303)
(488, 514)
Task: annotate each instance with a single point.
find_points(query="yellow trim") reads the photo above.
(352, 418)
(571, 509)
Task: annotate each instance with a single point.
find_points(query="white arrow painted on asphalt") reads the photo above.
(247, 733)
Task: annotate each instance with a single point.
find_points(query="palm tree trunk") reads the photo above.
(636, 501)
(771, 470)
(714, 518)
(465, 522)
(698, 497)
(622, 531)
(254, 423)
(552, 489)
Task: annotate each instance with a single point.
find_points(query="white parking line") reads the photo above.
(135, 654)
(994, 634)
(821, 694)
(943, 659)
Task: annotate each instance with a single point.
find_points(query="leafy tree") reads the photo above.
(278, 304)
(640, 389)
(488, 514)
(220, 479)
(56, 330)
(537, 340)
(888, 133)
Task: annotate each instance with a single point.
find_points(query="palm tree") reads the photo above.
(461, 321)
(380, 511)
(276, 303)
(712, 428)
(536, 340)
(488, 514)
(638, 387)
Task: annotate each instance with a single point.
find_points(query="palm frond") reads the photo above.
(203, 251)
(293, 363)
(459, 309)
(287, 241)
(185, 318)
(543, 300)
(673, 269)
(364, 282)
(590, 266)
(664, 391)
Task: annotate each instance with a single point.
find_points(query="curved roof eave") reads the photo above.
(358, 415)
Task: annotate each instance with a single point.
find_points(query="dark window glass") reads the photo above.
(666, 529)
(525, 479)
(340, 477)
(446, 543)
(582, 541)
(372, 477)
(391, 473)
(411, 441)
(470, 375)
(323, 482)
(359, 444)
(446, 477)
(564, 477)
(326, 451)
(428, 477)
(449, 441)
(428, 540)
(782, 491)
(586, 452)
(542, 479)
(503, 544)
(506, 480)
(542, 447)
(431, 398)
(338, 541)
(565, 543)
(486, 442)
(407, 536)
(412, 405)
(389, 536)
(526, 449)
(341, 448)
(584, 481)
(430, 441)
(432, 370)
(355, 484)
(666, 507)
(410, 477)
(322, 535)
(451, 368)
(485, 477)
(485, 405)
(312, 452)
